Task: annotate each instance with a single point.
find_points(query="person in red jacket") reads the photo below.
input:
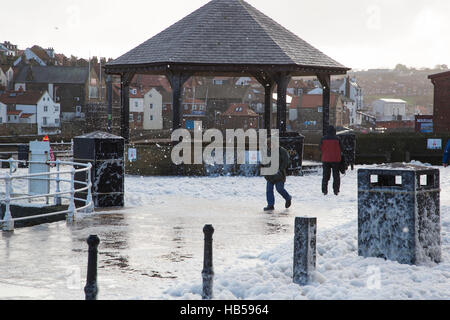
(331, 148)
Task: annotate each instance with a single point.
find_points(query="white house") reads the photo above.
(136, 100)
(29, 55)
(346, 87)
(153, 119)
(6, 76)
(389, 109)
(3, 78)
(33, 107)
(352, 108)
(3, 113)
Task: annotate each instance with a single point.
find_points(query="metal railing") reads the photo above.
(7, 223)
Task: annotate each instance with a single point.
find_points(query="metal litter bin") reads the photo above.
(399, 213)
(293, 142)
(106, 154)
(23, 154)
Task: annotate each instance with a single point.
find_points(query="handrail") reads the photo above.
(8, 221)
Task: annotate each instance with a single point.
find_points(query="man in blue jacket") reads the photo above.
(446, 158)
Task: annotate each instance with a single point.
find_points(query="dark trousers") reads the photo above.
(280, 189)
(329, 167)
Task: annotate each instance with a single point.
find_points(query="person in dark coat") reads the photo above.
(331, 148)
(278, 180)
(446, 158)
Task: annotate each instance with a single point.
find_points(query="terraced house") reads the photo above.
(33, 108)
(74, 88)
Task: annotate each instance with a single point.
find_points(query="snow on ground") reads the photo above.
(153, 249)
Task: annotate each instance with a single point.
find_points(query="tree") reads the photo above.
(401, 68)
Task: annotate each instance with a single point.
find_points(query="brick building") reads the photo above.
(441, 115)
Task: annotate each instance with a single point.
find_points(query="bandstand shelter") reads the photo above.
(226, 38)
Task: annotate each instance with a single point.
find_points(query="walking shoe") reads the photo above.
(269, 208)
(288, 203)
(336, 193)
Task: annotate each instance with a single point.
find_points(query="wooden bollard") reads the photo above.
(91, 288)
(208, 271)
(304, 249)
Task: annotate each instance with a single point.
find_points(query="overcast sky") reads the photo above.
(360, 34)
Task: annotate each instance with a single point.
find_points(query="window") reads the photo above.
(1, 120)
(45, 108)
(56, 108)
(151, 105)
(139, 117)
(151, 118)
(131, 117)
(78, 109)
(136, 104)
(57, 120)
(44, 121)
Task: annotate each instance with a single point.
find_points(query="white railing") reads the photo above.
(9, 196)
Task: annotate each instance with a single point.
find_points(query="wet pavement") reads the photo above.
(143, 250)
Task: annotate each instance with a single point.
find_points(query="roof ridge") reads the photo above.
(241, 2)
(287, 31)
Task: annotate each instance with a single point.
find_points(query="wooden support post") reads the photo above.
(109, 97)
(282, 79)
(126, 79)
(325, 81)
(176, 80)
(304, 249)
(268, 83)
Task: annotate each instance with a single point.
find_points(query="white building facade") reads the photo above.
(390, 109)
(153, 119)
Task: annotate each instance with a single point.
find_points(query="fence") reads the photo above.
(9, 196)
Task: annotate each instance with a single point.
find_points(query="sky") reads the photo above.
(361, 34)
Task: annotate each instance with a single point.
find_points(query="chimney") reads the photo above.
(347, 87)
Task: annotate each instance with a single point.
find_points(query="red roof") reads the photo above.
(21, 97)
(396, 124)
(239, 110)
(314, 100)
(26, 115)
(14, 112)
(139, 94)
(151, 81)
(194, 101)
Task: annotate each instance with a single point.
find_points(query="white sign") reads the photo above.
(434, 144)
(132, 154)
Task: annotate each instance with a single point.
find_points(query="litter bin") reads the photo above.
(23, 154)
(399, 213)
(106, 154)
(348, 139)
(293, 142)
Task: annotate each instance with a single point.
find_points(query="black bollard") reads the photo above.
(208, 271)
(91, 288)
(304, 249)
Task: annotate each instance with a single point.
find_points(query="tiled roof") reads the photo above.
(239, 110)
(316, 100)
(26, 115)
(53, 74)
(224, 32)
(445, 74)
(21, 97)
